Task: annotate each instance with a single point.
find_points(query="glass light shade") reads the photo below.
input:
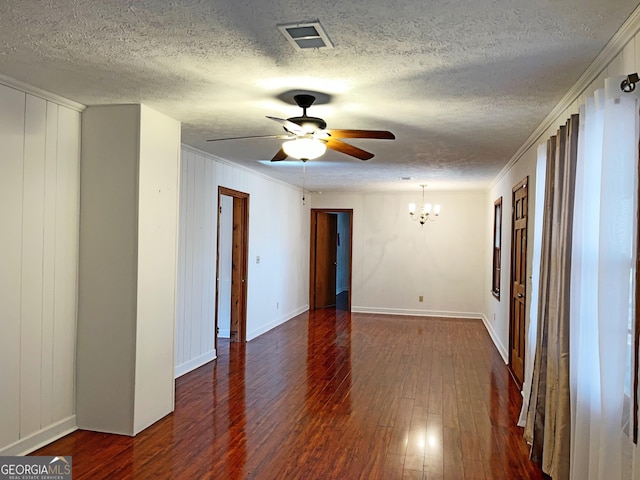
(304, 148)
(436, 209)
(412, 208)
(427, 208)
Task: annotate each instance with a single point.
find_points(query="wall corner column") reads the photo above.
(127, 268)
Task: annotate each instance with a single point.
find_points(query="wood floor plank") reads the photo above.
(401, 427)
(331, 395)
(393, 467)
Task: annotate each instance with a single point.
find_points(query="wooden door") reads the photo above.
(238, 276)
(239, 265)
(325, 246)
(517, 315)
(326, 235)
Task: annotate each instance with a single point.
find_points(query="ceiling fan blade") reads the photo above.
(289, 126)
(348, 149)
(281, 155)
(382, 134)
(282, 136)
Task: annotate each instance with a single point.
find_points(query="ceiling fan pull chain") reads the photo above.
(304, 174)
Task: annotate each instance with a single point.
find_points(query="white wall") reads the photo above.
(39, 182)
(342, 272)
(158, 195)
(278, 286)
(395, 260)
(107, 270)
(496, 312)
(224, 270)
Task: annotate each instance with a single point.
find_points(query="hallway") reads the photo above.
(331, 395)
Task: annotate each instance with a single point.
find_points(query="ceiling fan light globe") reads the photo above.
(304, 148)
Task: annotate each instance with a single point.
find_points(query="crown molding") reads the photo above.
(38, 92)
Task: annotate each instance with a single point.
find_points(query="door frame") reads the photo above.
(244, 265)
(523, 184)
(312, 256)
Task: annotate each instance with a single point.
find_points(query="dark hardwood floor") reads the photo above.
(331, 395)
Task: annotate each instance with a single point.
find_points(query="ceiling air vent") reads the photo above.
(306, 35)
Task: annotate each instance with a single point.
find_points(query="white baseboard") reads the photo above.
(496, 341)
(41, 438)
(415, 312)
(194, 363)
(278, 321)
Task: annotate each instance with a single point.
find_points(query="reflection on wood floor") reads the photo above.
(331, 395)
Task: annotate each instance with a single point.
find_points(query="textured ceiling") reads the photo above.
(462, 84)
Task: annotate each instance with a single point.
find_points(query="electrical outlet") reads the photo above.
(258, 259)
(421, 298)
(277, 305)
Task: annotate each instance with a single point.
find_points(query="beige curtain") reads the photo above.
(548, 426)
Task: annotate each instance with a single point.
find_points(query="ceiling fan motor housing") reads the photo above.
(310, 124)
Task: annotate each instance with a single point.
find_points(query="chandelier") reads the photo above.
(425, 215)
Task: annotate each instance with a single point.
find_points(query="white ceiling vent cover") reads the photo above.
(306, 35)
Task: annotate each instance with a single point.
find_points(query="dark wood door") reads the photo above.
(517, 316)
(325, 262)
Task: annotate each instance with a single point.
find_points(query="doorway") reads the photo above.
(330, 258)
(518, 298)
(232, 265)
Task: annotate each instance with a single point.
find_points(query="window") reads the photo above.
(497, 244)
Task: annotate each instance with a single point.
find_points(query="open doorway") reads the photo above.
(231, 265)
(330, 259)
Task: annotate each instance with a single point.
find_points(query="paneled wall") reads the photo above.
(196, 263)
(39, 186)
(278, 285)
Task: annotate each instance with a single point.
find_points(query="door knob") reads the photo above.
(520, 295)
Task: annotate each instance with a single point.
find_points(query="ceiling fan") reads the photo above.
(308, 137)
